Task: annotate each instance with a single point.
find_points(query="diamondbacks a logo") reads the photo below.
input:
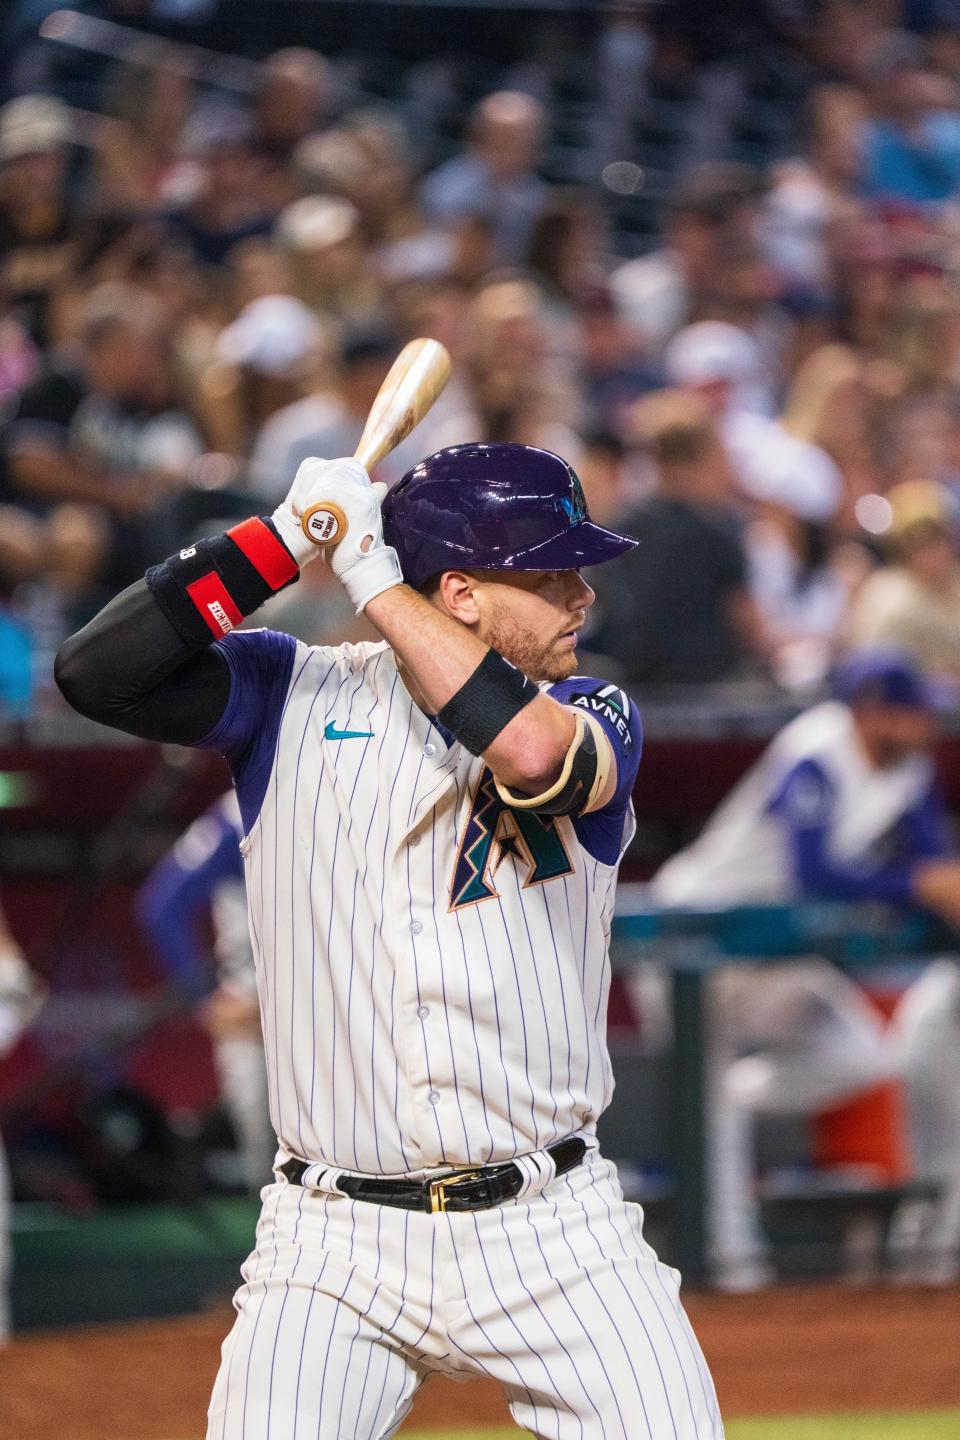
(492, 833)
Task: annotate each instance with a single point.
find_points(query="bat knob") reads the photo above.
(324, 523)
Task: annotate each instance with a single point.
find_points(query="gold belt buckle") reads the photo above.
(438, 1189)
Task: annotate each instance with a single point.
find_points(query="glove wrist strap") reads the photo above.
(370, 574)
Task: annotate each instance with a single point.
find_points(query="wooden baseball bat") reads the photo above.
(412, 384)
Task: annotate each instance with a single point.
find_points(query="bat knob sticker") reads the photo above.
(324, 523)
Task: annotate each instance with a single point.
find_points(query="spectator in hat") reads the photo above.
(915, 602)
(747, 294)
(228, 206)
(39, 239)
(721, 362)
(496, 173)
(273, 334)
(843, 805)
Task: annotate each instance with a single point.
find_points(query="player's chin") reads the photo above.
(559, 664)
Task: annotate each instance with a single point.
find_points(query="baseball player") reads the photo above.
(204, 871)
(843, 805)
(433, 827)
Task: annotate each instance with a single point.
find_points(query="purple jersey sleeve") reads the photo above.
(804, 804)
(260, 664)
(601, 833)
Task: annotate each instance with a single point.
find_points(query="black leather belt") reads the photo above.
(478, 1189)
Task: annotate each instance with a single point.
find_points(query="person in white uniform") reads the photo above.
(843, 805)
(433, 827)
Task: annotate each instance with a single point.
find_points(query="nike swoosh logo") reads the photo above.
(332, 733)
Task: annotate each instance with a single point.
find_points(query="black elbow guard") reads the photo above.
(582, 780)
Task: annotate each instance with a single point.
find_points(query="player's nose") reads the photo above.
(581, 595)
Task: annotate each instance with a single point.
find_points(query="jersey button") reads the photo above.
(416, 927)
(423, 1011)
(434, 1097)
(429, 749)
(414, 839)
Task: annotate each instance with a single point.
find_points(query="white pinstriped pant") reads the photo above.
(348, 1306)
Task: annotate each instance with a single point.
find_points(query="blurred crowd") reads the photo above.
(201, 285)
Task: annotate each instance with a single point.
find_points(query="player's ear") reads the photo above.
(456, 594)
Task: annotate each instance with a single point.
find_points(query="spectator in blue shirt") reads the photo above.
(912, 150)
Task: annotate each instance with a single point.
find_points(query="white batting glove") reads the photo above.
(364, 565)
(305, 490)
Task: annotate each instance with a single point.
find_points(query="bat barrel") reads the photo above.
(412, 384)
(414, 381)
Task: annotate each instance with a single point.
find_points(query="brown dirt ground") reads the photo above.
(788, 1351)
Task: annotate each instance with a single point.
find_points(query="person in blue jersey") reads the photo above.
(201, 875)
(843, 805)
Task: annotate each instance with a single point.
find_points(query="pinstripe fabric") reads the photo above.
(402, 1033)
(384, 1008)
(346, 1307)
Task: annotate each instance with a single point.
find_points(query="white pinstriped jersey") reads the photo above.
(432, 966)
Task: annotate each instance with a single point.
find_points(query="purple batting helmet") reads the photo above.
(493, 507)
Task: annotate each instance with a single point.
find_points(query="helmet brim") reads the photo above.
(583, 545)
